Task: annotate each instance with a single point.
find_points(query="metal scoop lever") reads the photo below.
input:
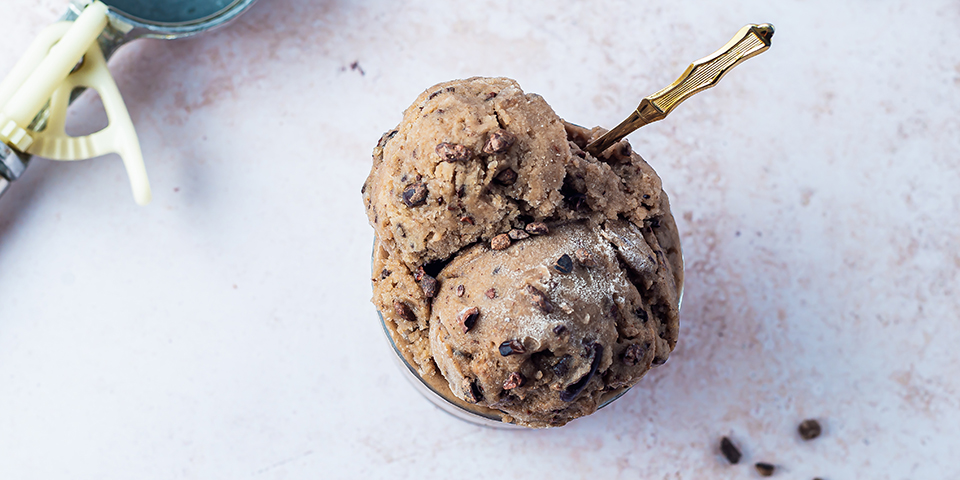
(750, 41)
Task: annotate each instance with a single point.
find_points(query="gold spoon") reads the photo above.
(750, 41)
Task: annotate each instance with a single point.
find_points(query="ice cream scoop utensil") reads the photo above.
(71, 55)
(750, 41)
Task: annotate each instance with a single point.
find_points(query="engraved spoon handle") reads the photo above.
(750, 41)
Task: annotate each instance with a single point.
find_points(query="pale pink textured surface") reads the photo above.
(224, 331)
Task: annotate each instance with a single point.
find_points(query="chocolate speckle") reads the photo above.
(511, 347)
(466, 219)
(517, 234)
(467, 318)
(472, 391)
(571, 392)
(491, 293)
(385, 138)
(516, 379)
(506, 177)
(537, 228)
(428, 284)
(453, 152)
(574, 199)
(500, 242)
(403, 311)
(562, 367)
(538, 299)
(585, 258)
(633, 355)
(499, 142)
(564, 264)
(614, 309)
(415, 194)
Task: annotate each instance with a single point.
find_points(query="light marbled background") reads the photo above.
(224, 331)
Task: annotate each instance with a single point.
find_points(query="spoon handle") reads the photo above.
(750, 41)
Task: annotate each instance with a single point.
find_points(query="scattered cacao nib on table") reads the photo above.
(730, 451)
(765, 469)
(809, 429)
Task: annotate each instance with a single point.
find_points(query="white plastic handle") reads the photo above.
(44, 73)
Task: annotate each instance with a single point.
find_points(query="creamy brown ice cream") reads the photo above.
(517, 273)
